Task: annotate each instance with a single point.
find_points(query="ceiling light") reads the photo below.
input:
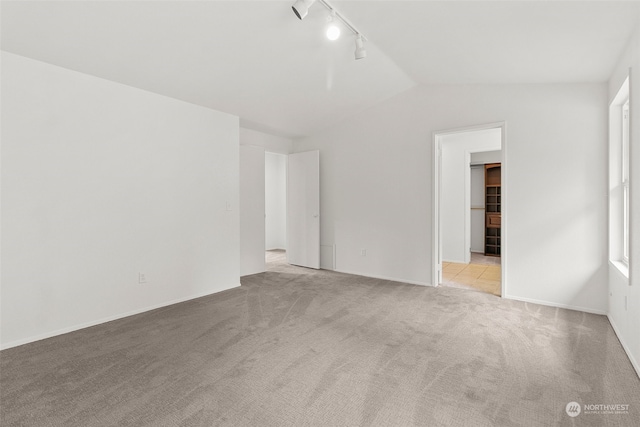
(360, 51)
(301, 8)
(333, 31)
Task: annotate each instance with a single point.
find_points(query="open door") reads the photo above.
(303, 209)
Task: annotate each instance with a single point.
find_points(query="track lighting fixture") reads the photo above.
(333, 31)
(360, 51)
(301, 9)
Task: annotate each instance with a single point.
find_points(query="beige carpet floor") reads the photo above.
(298, 347)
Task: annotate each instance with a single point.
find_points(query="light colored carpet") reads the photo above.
(298, 347)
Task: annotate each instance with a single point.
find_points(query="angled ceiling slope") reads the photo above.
(487, 42)
(256, 60)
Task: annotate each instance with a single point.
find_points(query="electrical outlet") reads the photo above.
(142, 278)
(363, 252)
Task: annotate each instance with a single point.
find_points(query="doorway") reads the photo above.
(465, 254)
(292, 208)
(279, 208)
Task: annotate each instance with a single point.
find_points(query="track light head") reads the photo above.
(360, 52)
(333, 31)
(301, 8)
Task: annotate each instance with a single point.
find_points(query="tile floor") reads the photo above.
(482, 274)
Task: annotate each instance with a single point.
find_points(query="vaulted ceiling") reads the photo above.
(255, 59)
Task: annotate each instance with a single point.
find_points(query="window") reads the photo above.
(625, 182)
(619, 131)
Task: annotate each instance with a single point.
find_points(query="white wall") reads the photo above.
(252, 209)
(101, 181)
(625, 317)
(276, 201)
(376, 185)
(455, 187)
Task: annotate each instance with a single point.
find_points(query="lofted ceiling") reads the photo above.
(256, 60)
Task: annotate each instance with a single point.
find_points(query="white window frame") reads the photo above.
(619, 206)
(625, 182)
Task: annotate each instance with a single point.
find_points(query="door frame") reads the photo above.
(436, 226)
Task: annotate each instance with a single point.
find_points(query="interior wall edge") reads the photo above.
(625, 346)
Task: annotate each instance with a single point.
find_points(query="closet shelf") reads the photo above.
(493, 202)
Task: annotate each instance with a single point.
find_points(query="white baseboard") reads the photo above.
(392, 279)
(633, 361)
(553, 304)
(105, 320)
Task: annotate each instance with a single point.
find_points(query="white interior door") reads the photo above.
(303, 209)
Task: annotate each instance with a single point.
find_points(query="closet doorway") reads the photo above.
(469, 226)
